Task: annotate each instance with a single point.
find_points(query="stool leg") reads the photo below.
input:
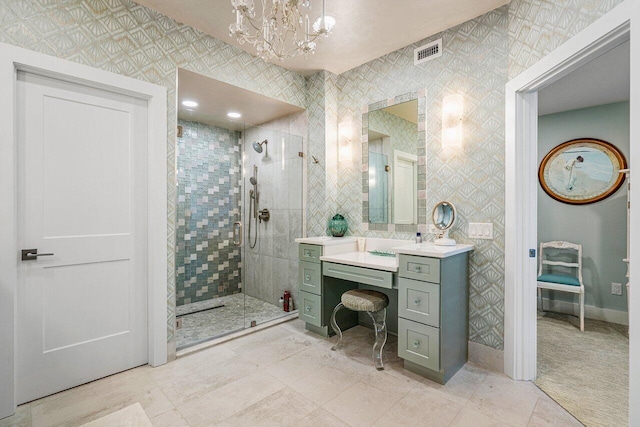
(335, 327)
(380, 328)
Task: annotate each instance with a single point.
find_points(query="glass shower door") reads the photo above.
(272, 212)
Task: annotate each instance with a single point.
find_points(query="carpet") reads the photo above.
(587, 372)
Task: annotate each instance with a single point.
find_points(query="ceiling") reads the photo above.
(604, 80)
(215, 99)
(365, 29)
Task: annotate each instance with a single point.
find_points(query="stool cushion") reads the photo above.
(364, 300)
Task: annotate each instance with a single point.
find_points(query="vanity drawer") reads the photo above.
(419, 301)
(419, 268)
(309, 253)
(368, 276)
(419, 344)
(310, 308)
(309, 277)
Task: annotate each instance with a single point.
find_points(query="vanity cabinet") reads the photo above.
(433, 311)
(318, 295)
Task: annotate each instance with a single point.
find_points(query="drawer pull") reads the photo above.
(307, 277)
(307, 253)
(418, 269)
(416, 344)
(416, 301)
(308, 308)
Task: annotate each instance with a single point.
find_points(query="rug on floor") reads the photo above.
(585, 372)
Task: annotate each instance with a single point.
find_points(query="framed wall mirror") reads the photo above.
(394, 163)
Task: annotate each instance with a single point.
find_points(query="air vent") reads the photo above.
(427, 52)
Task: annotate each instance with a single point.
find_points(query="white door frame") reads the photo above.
(13, 59)
(521, 189)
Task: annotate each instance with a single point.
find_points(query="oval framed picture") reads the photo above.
(582, 171)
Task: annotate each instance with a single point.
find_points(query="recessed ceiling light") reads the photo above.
(234, 115)
(190, 104)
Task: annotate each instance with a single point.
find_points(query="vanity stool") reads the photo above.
(375, 304)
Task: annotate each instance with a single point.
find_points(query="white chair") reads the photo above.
(560, 281)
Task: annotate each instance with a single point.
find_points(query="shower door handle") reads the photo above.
(237, 237)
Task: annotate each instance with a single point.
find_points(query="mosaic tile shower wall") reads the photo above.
(126, 38)
(209, 197)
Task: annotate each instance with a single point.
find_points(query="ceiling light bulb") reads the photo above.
(190, 104)
(234, 115)
(329, 22)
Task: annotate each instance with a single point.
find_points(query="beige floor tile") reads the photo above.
(471, 418)
(421, 408)
(281, 346)
(22, 417)
(221, 403)
(94, 400)
(132, 415)
(301, 364)
(548, 413)
(510, 402)
(321, 417)
(169, 419)
(187, 384)
(283, 408)
(362, 404)
(324, 383)
(462, 385)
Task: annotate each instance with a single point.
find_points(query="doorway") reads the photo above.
(585, 371)
(521, 201)
(149, 226)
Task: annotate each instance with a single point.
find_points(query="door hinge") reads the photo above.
(532, 253)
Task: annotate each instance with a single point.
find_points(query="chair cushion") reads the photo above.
(563, 279)
(364, 300)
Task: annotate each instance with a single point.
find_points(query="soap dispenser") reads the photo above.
(418, 237)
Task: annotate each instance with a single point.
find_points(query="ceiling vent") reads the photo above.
(427, 52)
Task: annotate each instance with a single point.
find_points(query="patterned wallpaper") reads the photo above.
(403, 134)
(479, 57)
(126, 38)
(536, 27)
(209, 199)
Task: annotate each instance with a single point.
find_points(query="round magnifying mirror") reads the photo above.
(444, 216)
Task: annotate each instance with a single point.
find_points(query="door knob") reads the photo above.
(31, 254)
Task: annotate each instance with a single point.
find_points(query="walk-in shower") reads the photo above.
(226, 281)
(258, 146)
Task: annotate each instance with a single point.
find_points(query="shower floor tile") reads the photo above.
(233, 312)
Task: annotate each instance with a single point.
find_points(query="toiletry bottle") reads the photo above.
(281, 303)
(291, 308)
(287, 295)
(419, 237)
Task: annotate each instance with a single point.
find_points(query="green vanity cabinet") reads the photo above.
(318, 295)
(433, 311)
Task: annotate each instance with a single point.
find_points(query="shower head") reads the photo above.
(258, 146)
(253, 180)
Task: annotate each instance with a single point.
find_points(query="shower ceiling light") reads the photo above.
(190, 104)
(234, 115)
(278, 28)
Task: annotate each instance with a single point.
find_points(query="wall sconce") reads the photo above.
(452, 111)
(345, 135)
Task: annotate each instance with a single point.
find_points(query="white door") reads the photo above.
(405, 210)
(82, 311)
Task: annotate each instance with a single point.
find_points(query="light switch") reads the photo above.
(479, 230)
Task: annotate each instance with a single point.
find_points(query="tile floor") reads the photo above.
(286, 376)
(234, 312)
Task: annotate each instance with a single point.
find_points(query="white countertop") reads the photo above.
(431, 250)
(325, 240)
(364, 259)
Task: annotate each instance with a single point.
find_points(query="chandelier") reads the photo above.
(279, 29)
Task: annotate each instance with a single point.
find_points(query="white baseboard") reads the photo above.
(590, 311)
